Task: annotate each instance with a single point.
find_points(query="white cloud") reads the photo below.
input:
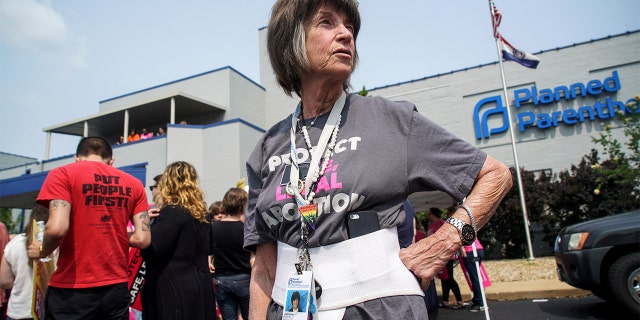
(35, 26)
(32, 25)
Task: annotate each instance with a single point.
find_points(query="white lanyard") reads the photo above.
(317, 152)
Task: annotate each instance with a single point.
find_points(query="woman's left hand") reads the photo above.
(428, 256)
(154, 213)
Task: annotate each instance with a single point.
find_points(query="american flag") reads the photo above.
(497, 17)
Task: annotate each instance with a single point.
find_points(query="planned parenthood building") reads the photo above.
(555, 110)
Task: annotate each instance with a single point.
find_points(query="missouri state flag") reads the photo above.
(508, 51)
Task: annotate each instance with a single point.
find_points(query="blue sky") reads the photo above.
(58, 59)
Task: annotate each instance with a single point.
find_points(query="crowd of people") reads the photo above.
(87, 206)
(135, 135)
(196, 266)
(186, 237)
(313, 218)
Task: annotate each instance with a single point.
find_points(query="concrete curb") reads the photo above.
(521, 290)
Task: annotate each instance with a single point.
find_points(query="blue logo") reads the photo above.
(602, 108)
(481, 123)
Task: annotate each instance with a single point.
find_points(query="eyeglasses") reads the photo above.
(152, 187)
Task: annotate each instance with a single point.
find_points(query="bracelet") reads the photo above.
(473, 220)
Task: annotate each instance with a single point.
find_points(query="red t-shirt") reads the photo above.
(103, 200)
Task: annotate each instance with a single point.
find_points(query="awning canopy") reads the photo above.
(150, 115)
(422, 201)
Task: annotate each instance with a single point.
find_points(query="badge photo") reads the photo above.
(298, 296)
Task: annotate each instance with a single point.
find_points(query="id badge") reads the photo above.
(300, 297)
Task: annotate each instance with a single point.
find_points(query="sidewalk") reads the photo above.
(521, 290)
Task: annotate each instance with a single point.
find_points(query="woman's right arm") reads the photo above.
(263, 273)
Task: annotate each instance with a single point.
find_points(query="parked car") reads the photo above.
(603, 256)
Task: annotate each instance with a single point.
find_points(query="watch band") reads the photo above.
(456, 222)
(466, 231)
(471, 217)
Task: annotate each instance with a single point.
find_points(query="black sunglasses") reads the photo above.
(152, 187)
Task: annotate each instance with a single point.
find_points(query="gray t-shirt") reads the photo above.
(385, 151)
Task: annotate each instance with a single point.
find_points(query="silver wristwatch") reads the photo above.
(467, 232)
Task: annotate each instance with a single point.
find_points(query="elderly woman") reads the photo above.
(341, 166)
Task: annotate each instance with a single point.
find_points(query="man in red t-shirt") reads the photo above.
(90, 204)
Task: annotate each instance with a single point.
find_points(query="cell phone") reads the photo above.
(361, 223)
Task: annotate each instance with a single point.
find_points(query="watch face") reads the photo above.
(468, 235)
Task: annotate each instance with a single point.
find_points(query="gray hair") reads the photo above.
(286, 39)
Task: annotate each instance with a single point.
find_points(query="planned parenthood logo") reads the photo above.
(538, 109)
(491, 107)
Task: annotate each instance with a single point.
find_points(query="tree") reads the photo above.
(622, 166)
(7, 219)
(506, 230)
(598, 188)
(364, 92)
(572, 196)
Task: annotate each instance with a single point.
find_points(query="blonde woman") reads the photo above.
(178, 283)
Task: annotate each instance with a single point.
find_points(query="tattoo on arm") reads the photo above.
(55, 204)
(146, 225)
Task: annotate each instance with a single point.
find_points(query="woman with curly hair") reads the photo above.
(178, 283)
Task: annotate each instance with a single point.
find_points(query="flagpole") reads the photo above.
(480, 281)
(523, 202)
